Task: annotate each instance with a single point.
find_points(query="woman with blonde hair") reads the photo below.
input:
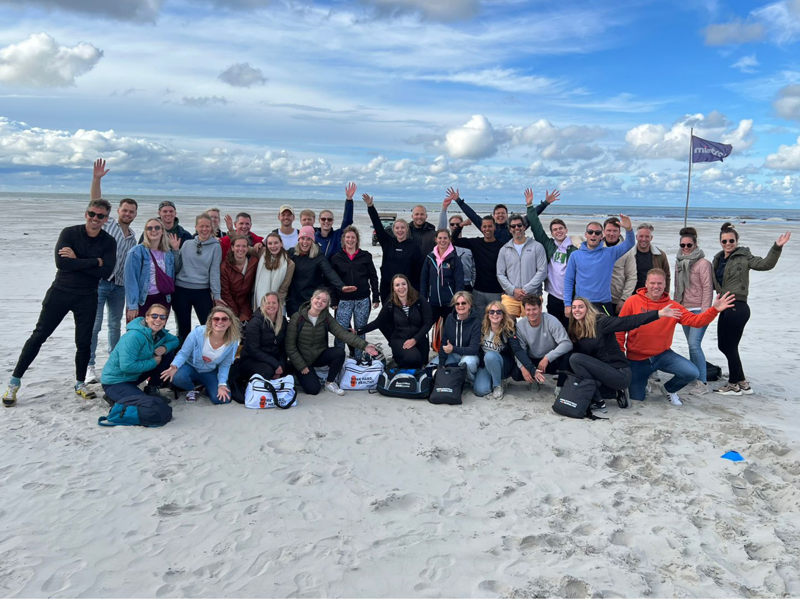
(311, 270)
(461, 336)
(274, 271)
(158, 252)
(595, 351)
(496, 355)
(206, 356)
(264, 349)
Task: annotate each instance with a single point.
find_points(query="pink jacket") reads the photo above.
(700, 293)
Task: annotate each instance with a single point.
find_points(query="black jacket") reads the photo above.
(604, 345)
(82, 274)
(359, 272)
(309, 274)
(262, 344)
(398, 257)
(393, 320)
(464, 335)
(439, 283)
(424, 237)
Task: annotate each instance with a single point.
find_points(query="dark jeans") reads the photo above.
(553, 367)
(333, 358)
(589, 367)
(126, 389)
(153, 299)
(555, 307)
(186, 299)
(413, 358)
(729, 333)
(55, 306)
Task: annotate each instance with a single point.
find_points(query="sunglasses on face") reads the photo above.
(325, 219)
(158, 317)
(727, 241)
(455, 224)
(154, 228)
(220, 319)
(516, 226)
(96, 215)
(594, 232)
(495, 312)
(461, 304)
(687, 245)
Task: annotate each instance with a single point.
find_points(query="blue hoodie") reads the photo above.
(589, 271)
(192, 352)
(133, 354)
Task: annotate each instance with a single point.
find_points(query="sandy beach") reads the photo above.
(366, 496)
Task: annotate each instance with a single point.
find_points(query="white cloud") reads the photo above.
(734, 32)
(505, 80)
(787, 102)
(746, 64)
(127, 10)
(782, 19)
(787, 158)
(438, 10)
(242, 75)
(39, 61)
(203, 101)
(476, 139)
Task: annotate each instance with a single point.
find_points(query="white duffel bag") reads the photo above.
(263, 393)
(362, 375)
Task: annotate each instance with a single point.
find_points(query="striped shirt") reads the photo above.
(124, 244)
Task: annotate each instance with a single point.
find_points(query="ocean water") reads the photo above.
(562, 208)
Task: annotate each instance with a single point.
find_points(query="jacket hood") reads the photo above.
(641, 293)
(576, 240)
(140, 325)
(210, 241)
(473, 316)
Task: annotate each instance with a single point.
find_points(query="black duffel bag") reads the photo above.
(575, 397)
(448, 384)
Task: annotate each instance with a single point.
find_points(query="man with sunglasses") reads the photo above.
(84, 255)
(521, 267)
(465, 254)
(328, 238)
(590, 268)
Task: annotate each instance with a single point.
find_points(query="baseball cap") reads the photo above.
(285, 207)
(166, 203)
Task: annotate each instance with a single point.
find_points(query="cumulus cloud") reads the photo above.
(746, 64)
(654, 141)
(437, 10)
(203, 101)
(242, 75)
(734, 32)
(125, 10)
(475, 139)
(787, 158)
(39, 61)
(787, 102)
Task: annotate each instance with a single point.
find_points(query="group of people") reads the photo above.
(266, 305)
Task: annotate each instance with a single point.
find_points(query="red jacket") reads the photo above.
(225, 242)
(656, 337)
(237, 289)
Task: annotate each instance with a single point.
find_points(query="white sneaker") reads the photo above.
(674, 400)
(191, 396)
(497, 393)
(91, 376)
(558, 390)
(699, 389)
(333, 388)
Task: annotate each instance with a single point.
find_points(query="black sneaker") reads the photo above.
(599, 405)
(108, 400)
(152, 390)
(622, 399)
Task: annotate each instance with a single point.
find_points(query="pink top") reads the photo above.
(350, 256)
(700, 293)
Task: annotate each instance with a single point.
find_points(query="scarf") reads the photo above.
(440, 258)
(683, 268)
(267, 281)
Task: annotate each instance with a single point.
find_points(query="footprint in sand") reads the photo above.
(62, 578)
(171, 509)
(490, 586)
(575, 588)
(370, 439)
(437, 567)
(301, 478)
(618, 463)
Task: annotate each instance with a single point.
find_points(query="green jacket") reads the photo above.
(736, 278)
(303, 347)
(550, 245)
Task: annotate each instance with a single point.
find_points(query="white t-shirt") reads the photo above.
(290, 239)
(313, 320)
(210, 353)
(519, 248)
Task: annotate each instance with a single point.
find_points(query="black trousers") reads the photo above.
(250, 366)
(413, 358)
(333, 358)
(729, 333)
(441, 312)
(589, 367)
(553, 367)
(55, 306)
(555, 307)
(186, 299)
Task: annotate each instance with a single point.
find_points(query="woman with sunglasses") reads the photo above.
(274, 272)
(237, 277)
(732, 266)
(442, 276)
(206, 357)
(143, 353)
(461, 336)
(694, 288)
(158, 251)
(197, 283)
(496, 355)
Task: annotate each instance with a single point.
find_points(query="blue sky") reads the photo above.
(405, 97)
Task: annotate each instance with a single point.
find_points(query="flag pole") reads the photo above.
(689, 183)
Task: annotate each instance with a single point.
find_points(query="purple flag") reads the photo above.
(705, 151)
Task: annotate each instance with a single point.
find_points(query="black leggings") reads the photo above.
(333, 358)
(588, 367)
(440, 312)
(186, 299)
(555, 307)
(413, 358)
(55, 306)
(729, 333)
(250, 366)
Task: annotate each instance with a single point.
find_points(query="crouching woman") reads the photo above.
(307, 344)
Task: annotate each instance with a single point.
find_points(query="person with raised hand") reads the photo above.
(732, 266)
(237, 278)
(649, 347)
(589, 270)
(328, 238)
(311, 270)
(241, 227)
(401, 255)
(169, 219)
(159, 251)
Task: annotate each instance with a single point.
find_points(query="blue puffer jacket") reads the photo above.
(192, 352)
(137, 274)
(438, 283)
(133, 354)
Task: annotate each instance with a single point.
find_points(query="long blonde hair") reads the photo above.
(163, 244)
(312, 252)
(279, 318)
(507, 328)
(587, 327)
(234, 331)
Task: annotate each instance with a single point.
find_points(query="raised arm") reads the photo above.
(771, 259)
(471, 214)
(98, 172)
(617, 324)
(536, 226)
(384, 239)
(347, 215)
(628, 243)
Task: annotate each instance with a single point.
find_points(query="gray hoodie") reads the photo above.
(526, 271)
(199, 270)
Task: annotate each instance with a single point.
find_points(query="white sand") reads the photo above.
(371, 496)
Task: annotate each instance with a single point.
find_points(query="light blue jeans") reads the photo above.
(187, 376)
(492, 373)
(471, 362)
(694, 337)
(669, 362)
(113, 295)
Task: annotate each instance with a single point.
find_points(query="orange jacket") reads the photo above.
(656, 337)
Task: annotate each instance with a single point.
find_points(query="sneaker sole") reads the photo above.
(9, 403)
(747, 392)
(728, 393)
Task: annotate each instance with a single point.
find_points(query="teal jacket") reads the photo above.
(133, 354)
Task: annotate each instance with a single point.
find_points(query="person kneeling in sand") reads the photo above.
(541, 344)
(142, 353)
(648, 347)
(496, 355)
(307, 344)
(206, 357)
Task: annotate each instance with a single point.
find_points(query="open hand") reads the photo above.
(368, 200)
(625, 221)
(223, 393)
(539, 376)
(350, 190)
(725, 301)
(229, 222)
(781, 241)
(451, 194)
(670, 312)
(174, 241)
(169, 373)
(551, 197)
(528, 197)
(371, 350)
(99, 171)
